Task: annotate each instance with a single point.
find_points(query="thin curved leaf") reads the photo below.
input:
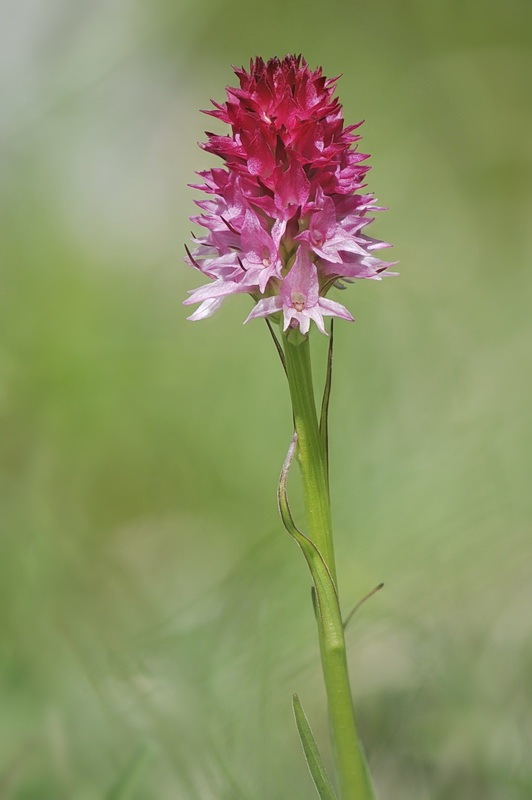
(360, 603)
(326, 597)
(324, 416)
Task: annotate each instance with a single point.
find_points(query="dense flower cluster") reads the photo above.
(284, 219)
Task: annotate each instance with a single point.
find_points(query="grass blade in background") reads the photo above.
(316, 767)
(131, 776)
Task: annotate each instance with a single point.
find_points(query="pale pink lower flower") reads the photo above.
(299, 298)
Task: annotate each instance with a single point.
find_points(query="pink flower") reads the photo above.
(284, 218)
(299, 298)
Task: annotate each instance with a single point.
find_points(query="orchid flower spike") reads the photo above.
(285, 216)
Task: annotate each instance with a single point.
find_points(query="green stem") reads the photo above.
(353, 778)
(309, 452)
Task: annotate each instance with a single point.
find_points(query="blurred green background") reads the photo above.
(155, 618)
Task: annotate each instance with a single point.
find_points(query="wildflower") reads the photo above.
(299, 298)
(284, 218)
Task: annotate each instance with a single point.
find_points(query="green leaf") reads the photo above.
(276, 343)
(361, 603)
(326, 596)
(315, 764)
(130, 777)
(324, 416)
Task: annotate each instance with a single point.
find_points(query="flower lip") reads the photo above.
(298, 300)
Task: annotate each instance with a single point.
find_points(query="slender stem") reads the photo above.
(353, 777)
(309, 452)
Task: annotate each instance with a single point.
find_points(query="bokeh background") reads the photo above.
(155, 617)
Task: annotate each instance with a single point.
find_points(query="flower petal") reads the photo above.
(216, 289)
(206, 309)
(330, 308)
(269, 305)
